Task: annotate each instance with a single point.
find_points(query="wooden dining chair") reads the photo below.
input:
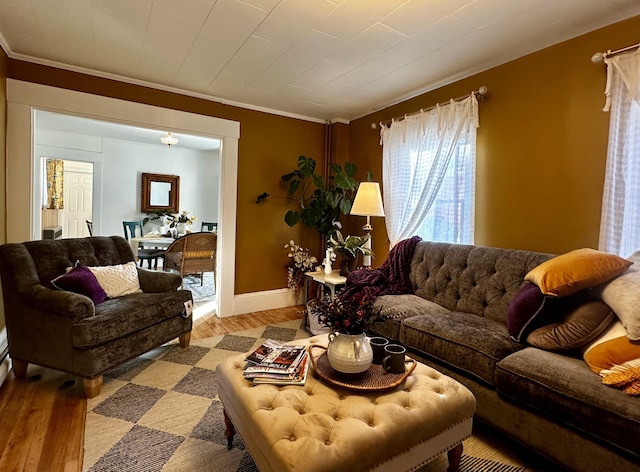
(89, 227)
(209, 226)
(151, 255)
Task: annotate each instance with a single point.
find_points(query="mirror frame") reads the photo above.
(174, 193)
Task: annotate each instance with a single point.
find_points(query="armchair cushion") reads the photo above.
(118, 317)
(81, 280)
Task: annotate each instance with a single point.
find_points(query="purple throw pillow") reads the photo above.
(523, 310)
(81, 280)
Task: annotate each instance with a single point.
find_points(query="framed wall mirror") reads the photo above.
(160, 192)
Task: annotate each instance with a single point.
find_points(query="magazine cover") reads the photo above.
(273, 355)
(299, 377)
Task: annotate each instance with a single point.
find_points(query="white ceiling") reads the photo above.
(321, 59)
(49, 121)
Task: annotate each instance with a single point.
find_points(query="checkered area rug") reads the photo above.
(161, 412)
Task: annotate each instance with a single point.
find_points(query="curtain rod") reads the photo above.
(481, 93)
(601, 56)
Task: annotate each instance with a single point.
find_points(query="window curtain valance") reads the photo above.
(626, 67)
(420, 153)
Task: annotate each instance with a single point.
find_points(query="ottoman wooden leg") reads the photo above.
(230, 431)
(454, 456)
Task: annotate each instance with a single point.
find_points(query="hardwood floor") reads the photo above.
(42, 417)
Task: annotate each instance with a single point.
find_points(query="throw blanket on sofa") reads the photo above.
(391, 278)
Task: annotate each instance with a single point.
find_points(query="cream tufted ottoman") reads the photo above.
(317, 427)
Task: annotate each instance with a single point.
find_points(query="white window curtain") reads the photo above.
(428, 173)
(620, 221)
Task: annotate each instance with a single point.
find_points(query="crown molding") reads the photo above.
(152, 85)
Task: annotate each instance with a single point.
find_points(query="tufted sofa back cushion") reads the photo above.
(473, 279)
(52, 257)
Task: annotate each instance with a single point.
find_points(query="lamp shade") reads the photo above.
(368, 201)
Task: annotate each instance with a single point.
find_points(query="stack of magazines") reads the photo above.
(277, 363)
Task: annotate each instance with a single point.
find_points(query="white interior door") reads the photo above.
(77, 192)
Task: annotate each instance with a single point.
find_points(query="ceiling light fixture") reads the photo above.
(169, 139)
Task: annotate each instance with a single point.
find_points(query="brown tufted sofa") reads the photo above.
(65, 330)
(455, 321)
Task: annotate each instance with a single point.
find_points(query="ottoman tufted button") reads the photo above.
(292, 438)
(327, 443)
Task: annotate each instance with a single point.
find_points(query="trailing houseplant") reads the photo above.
(321, 203)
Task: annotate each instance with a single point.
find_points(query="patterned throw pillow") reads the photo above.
(118, 280)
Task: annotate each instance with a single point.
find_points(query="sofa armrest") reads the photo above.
(61, 302)
(153, 281)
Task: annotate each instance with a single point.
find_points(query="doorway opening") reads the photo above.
(25, 98)
(125, 153)
(67, 188)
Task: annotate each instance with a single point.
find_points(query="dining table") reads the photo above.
(160, 242)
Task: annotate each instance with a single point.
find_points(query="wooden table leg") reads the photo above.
(230, 430)
(454, 456)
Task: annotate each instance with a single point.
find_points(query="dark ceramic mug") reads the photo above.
(393, 361)
(377, 346)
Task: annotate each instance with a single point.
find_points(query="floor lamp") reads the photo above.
(368, 202)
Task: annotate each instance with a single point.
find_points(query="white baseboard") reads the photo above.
(4, 343)
(5, 362)
(266, 300)
(5, 367)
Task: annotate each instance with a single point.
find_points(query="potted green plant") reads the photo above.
(321, 203)
(348, 249)
(160, 215)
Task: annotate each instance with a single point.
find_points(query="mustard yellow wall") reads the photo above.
(269, 147)
(541, 147)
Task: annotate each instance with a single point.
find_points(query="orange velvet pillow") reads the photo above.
(616, 351)
(616, 359)
(576, 270)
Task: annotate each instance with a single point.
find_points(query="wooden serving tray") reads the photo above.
(374, 380)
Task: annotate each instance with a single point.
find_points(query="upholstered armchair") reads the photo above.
(87, 330)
